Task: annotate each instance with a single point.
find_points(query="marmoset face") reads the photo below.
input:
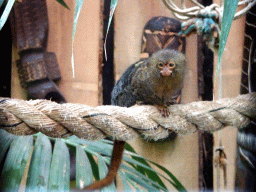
(168, 62)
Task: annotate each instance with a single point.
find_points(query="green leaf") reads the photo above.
(1, 3)
(124, 180)
(128, 147)
(103, 171)
(39, 169)
(134, 184)
(227, 19)
(141, 182)
(104, 147)
(176, 183)
(104, 150)
(16, 162)
(63, 3)
(73, 141)
(5, 142)
(79, 4)
(6, 12)
(60, 167)
(95, 168)
(84, 175)
(150, 181)
(92, 147)
(96, 146)
(151, 174)
(111, 13)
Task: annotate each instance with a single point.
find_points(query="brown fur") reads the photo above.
(116, 160)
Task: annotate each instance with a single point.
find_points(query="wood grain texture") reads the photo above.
(84, 87)
(181, 155)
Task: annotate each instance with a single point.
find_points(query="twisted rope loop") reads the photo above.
(198, 9)
(205, 21)
(61, 120)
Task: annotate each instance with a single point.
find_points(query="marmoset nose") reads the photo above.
(166, 72)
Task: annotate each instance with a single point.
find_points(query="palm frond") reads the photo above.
(16, 161)
(59, 176)
(84, 174)
(39, 169)
(49, 167)
(62, 2)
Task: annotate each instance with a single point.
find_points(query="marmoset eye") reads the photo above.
(161, 65)
(171, 65)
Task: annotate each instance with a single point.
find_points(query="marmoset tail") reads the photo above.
(153, 81)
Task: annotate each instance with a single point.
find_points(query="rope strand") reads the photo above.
(61, 120)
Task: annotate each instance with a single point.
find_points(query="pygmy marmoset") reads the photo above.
(153, 81)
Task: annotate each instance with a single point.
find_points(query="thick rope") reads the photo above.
(61, 120)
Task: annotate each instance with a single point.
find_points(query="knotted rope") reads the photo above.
(61, 120)
(205, 21)
(185, 13)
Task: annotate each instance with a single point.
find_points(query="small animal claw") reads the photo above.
(164, 111)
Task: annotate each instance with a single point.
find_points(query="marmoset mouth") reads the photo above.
(166, 73)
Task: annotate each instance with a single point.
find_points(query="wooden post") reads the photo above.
(231, 64)
(181, 155)
(86, 85)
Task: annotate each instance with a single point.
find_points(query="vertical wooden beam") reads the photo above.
(101, 53)
(6, 60)
(205, 161)
(85, 87)
(205, 139)
(181, 155)
(231, 65)
(108, 60)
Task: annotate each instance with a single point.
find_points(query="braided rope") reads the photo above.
(205, 21)
(185, 13)
(61, 120)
